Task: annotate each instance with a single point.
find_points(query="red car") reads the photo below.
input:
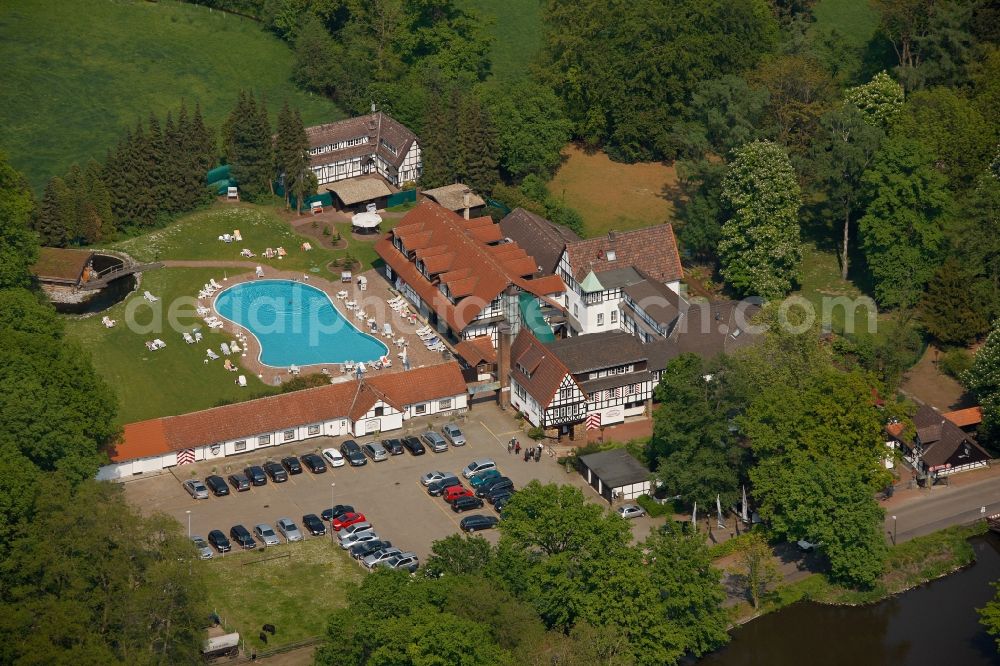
(453, 493)
(346, 520)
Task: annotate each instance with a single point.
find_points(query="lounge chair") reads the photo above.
(241, 380)
(150, 345)
(211, 354)
(386, 362)
(342, 294)
(225, 349)
(237, 235)
(260, 271)
(197, 336)
(350, 305)
(188, 339)
(233, 347)
(149, 297)
(293, 369)
(387, 330)
(160, 344)
(108, 322)
(215, 284)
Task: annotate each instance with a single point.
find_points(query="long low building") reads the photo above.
(359, 407)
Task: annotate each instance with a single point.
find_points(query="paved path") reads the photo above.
(925, 511)
(208, 263)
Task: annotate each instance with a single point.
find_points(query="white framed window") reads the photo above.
(576, 310)
(614, 316)
(444, 404)
(565, 393)
(420, 409)
(314, 430)
(288, 435)
(519, 390)
(263, 440)
(600, 319)
(240, 445)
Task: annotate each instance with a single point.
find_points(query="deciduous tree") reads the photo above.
(983, 381)
(458, 554)
(757, 567)
(531, 127)
(953, 309)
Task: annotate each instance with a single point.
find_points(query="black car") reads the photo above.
(352, 452)
(438, 487)
(501, 481)
(500, 495)
(393, 446)
(414, 446)
(256, 475)
(466, 503)
(478, 522)
(499, 503)
(242, 537)
(498, 489)
(292, 464)
(217, 485)
(312, 522)
(219, 541)
(239, 481)
(276, 471)
(366, 548)
(314, 462)
(336, 512)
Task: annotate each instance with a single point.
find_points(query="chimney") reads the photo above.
(466, 201)
(611, 236)
(503, 363)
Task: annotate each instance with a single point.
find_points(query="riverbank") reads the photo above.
(908, 565)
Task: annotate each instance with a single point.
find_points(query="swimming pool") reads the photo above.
(296, 324)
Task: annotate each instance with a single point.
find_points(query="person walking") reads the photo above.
(517, 447)
(510, 445)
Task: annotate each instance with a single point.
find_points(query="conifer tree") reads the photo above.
(98, 197)
(50, 218)
(156, 157)
(477, 141)
(247, 137)
(292, 157)
(173, 169)
(138, 170)
(114, 179)
(199, 155)
(439, 147)
(72, 207)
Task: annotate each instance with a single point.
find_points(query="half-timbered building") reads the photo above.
(371, 144)
(542, 387)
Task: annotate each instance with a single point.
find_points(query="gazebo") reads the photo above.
(366, 223)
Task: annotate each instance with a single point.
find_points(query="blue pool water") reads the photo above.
(296, 324)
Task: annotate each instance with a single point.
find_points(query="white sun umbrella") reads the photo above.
(366, 220)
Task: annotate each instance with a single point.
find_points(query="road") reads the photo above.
(933, 510)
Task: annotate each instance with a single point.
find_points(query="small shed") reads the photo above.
(61, 266)
(615, 474)
(357, 193)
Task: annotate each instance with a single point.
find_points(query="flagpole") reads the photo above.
(746, 518)
(718, 508)
(694, 517)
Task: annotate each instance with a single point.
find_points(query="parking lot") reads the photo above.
(389, 493)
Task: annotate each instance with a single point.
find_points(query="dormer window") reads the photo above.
(610, 255)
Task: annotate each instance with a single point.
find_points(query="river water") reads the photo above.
(934, 625)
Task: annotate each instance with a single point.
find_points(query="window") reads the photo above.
(519, 390)
(614, 316)
(600, 319)
(444, 404)
(420, 409)
(263, 440)
(240, 445)
(314, 430)
(565, 393)
(380, 410)
(288, 435)
(576, 310)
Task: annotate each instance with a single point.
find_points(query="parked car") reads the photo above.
(292, 464)
(217, 485)
(275, 470)
(477, 522)
(480, 478)
(346, 520)
(333, 457)
(204, 552)
(413, 445)
(363, 526)
(314, 524)
(434, 441)
(436, 475)
(807, 546)
(500, 495)
(438, 487)
(371, 560)
(502, 487)
(375, 451)
(239, 482)
(500, 502)
(466, 503)
(366, 548)
(289, 530)
(348, 541)
(477, 466)
(196, 489)
(393, 446)
(338, 510)
(631, 511)
(352, 452)
(314, 463)
(256, 475)
(407, 561)
(242, 537)
(484, 489)
(219, 541)
(453, 434)
(266, 534)
(453, 493)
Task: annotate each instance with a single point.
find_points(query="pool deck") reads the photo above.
(372, 300)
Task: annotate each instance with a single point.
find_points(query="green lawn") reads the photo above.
(168, 381)
(822, 286)
(76, 74)
(295, 594)
(855, 20)
(517, 33)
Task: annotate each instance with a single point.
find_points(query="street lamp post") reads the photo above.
(894, 530)
(333, 500)
(188, 512)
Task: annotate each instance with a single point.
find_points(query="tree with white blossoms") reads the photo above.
(982, 380)
(881, 100)
(760, 249)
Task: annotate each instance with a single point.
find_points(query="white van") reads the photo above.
(477, 466)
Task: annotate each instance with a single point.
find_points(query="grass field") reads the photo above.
(516, 31)
(855, 20)
(295, 594)
(610, 195)
(76, 74)
(821, 283)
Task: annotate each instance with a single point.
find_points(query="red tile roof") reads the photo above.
(545, 372)
(477, 350)
(965, 417)
(350, 399)
(652, 250)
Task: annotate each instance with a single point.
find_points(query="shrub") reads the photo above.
(536, 433)
(654, 508)
(955, 362)
(326, 229)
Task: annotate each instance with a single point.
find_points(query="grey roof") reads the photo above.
(941, 439)
(657, 300)
(710, 329)
(452, 196)
(375, 126)
(597, 351)
(612, 381)
(617, 278)
(616, 468)
(659, 353)
(542, 239)
(358, 190)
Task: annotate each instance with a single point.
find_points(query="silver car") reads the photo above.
(363, 526)
(372, 560)
(403, 561)
(266, 534)
(453, 434)
(196, 489)
(358, 537)
(434, 441)
(204, 552)
(430, 477)
(289, 530)
(631, 511)
(375, 451)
